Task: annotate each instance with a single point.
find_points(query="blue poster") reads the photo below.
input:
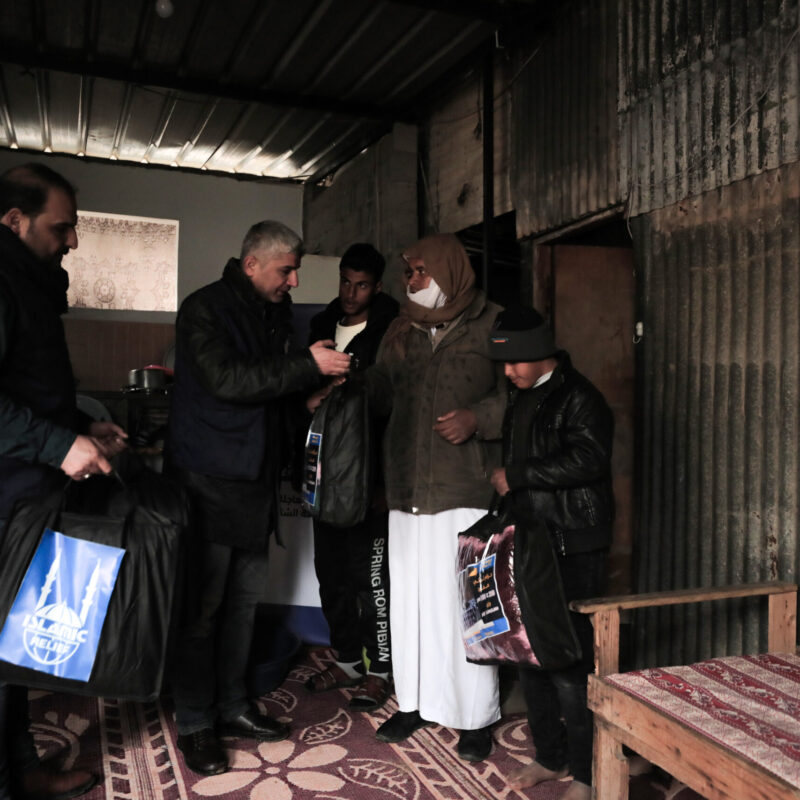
(55, 622)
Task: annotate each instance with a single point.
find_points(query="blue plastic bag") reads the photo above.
(55, 622)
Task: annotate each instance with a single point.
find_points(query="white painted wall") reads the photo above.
(214, 211)
(319, 280)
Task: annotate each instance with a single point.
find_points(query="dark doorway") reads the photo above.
(585, 284)
(505, 273)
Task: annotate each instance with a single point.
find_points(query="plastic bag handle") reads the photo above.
(497, 505)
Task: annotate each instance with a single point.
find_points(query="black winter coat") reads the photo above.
(38, 416)
(234, 378)
(363, 347)
(564, 475)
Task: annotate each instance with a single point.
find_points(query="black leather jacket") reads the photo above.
(233, 372)
(557, 451)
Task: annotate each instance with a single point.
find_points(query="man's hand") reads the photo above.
(314, 401)
(499, 481)
(328, 361)
(456, 426)
(110, 437)
(85, 458)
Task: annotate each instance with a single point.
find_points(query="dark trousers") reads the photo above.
(17, 748)
(553, 695)
(352, 566)
(213, 650)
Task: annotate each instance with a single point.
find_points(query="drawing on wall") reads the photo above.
(124, 263)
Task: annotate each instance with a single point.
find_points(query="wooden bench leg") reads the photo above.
(610, 776)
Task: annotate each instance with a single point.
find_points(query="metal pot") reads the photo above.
(150, 377)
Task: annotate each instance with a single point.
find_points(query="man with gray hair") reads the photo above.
(228, 420)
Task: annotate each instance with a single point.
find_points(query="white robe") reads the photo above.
(431, 673)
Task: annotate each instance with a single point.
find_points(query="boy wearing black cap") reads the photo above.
(352, 563)
(557, 440)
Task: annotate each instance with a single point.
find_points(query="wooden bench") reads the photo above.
(631, 708)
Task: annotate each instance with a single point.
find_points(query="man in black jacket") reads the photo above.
(351, 563)
(228, 424)
(43, 437)
(557, 440)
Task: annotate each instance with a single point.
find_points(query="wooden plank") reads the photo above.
(782, 630)
(611, 774)
(606, 641)
(678, 596)
(710, 769)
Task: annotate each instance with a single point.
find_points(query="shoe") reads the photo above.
(252, 725)
(43, 783)
(475, 745)
(202, 752)
(334, 677)
(371, 695)
(400, 726)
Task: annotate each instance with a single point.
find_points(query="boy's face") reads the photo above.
(356, 292)
(524, 374)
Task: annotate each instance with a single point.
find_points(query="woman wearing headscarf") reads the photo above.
(447, 402)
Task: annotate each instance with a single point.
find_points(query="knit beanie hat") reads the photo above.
(521, 334)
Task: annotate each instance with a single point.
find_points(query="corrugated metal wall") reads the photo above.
(688, 111)
(719, 410)
(708, 94)
(564, 127)
(709, 150)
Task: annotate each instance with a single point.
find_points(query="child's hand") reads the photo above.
(499, 481)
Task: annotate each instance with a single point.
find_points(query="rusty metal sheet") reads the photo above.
(708, 95)
(564, 123)
(719, 407)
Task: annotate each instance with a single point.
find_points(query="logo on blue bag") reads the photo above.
(55, 622)
(54, 631)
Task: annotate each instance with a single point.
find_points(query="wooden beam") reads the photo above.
(678, 596)
(610, 767)
(606, 641)
(782, 626)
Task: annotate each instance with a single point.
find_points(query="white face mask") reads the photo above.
(432, 297)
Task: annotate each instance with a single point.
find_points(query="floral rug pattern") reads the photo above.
(332, 753)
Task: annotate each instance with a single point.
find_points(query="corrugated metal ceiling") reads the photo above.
(285, 90)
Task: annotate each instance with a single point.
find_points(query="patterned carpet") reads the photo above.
(332, 753)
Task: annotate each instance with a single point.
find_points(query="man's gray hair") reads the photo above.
(273, 237)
